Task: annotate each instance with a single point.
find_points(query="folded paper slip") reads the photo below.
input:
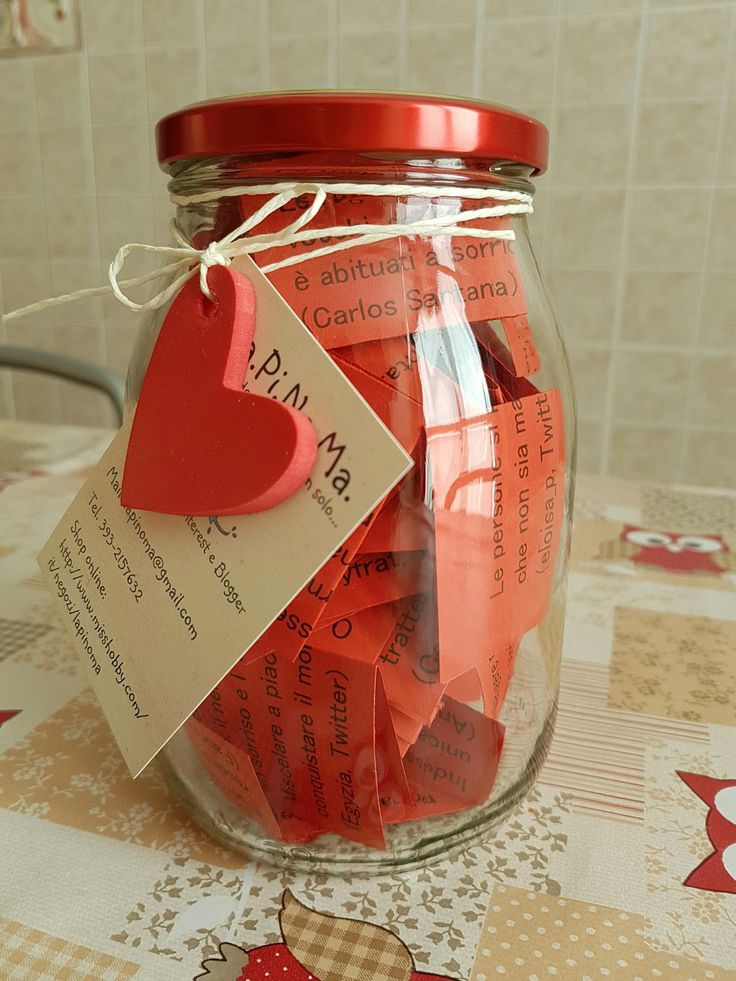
(498, 485)
(392, 361)
(373, 579)
(389, 288)
(452, 765)
(311, 738)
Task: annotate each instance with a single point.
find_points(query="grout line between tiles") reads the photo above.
(201, 18)
(479, 50)
(265, 34)
(690, 393)
(4, 340)
(549, 184)
(403, 44)
(332, 44)
(625, 226)
(88, 140)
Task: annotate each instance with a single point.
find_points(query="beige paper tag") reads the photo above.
(160, 607)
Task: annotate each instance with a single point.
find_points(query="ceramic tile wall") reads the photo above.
(635, 219)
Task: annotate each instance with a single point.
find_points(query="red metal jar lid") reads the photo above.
(369, 122)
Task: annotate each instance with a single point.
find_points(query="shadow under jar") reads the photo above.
(403, 702)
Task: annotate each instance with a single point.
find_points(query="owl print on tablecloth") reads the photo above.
(674, 552)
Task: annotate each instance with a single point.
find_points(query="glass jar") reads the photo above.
(443, 612)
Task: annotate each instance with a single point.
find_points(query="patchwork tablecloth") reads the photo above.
(621, 864)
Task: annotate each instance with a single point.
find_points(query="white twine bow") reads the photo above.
(187, 259)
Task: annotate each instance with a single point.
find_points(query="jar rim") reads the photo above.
(383, 122)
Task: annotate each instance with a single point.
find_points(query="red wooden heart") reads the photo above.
(199, 444)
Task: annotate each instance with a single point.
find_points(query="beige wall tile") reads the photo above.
(174, 79)
(590, 145)
(585, 229)
(295, 65)
(598, 57)
(369, 60)
(60, 87)
(710, 459)
(676, 142)
(519, 61)
(440, 12)
(722, 248)
(685, 53)
(660, 308)
(169, 20)
(355, 15)
(585, 6)
(22, 227)
(441, 61)
(49, 178)
(121, 159)
(231, 21)
(292, 17)
(163, 212)
(590, 371)
(82, 406)
(7, 404)
(233, 69)
(520, 8)
(16, 95)
(36, 396)
(65, 161)
(80, 341)
(718, 322)
(650, 386)
(714, 394)
(584, 303)
(124, 218)
(68, 275)
(26, 281)
(71, 226)
(639, 453)
(591, 436)
(108, 23)
(667, 229)
(20, 163)
(117, 87)
(115, 214)
(119, 345)
(727, 155)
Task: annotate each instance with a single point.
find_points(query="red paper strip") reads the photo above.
(402, 415)
(521, 344)
(360, 635)
(499, 365)
(466, 687)
(232, 771)
(403, 524)
(406, 727)
(375, 579)
(311, 740)
(452, 766)
(409, 661)
(494, 676)
(388, 288)
(498, 483)
(392, 782)
(393, 361)
(294, 625)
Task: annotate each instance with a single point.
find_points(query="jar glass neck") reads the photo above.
(204, 174)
